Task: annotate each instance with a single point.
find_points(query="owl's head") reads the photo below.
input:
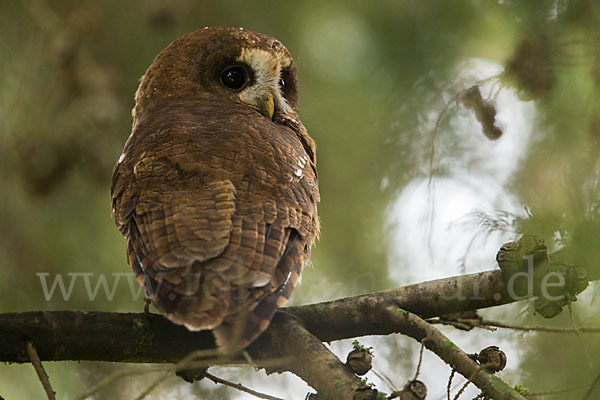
(225, 66)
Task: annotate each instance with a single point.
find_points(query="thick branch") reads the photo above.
(353, 316)
(305, 356)
(97, 336)
(101, 336)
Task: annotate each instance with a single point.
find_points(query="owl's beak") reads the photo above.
(269, 106)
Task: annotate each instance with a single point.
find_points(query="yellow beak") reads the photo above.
(269, 105)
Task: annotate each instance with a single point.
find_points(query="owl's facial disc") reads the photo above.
(264, 91)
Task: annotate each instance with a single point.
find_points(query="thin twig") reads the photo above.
(583, 344)
(240, 387)
(202, 356)
(115, 376)
(196, 359)
(462, 389)
(492, 325)
(154, 385)
(594, 384)
(449, 388)
(539, 328)
(384, 378)
(418, 371)
(186, 363)
(559, 391)
(39, 369)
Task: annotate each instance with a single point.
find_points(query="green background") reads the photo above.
(370, 74)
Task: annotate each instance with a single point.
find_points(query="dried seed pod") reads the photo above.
(365, 393)
(485, 112)
(413, 390)
(514, 257)
(192, 375)
(359, 361)
(492, 358)
(416, 389)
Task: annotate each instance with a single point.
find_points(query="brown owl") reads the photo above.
(216, 190)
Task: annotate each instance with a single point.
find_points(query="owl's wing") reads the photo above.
(208, 258)
(172, 229)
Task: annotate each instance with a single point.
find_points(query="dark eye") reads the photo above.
(234, 77)
(282, 83)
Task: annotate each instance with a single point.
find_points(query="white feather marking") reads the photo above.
(266, 68)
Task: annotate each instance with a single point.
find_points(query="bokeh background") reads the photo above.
(414, 185)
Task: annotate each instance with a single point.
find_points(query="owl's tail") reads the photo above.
(236, 335)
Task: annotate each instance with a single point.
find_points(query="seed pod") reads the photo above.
(365, 393)
(192, 375)
(359, 361)
(492, 358)
(485, 112)
(417, 389)
(413, 390)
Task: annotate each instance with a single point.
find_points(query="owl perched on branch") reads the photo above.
(216, 190)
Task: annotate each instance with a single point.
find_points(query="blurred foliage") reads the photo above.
(369, 74)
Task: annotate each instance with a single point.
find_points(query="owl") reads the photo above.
(216, 190)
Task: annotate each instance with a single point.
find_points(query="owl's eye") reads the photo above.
(234, 77)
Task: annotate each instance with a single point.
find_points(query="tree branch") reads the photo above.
(150, 338)
(305, 356)
(351, 316)
(129, 337)
(41, 372)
